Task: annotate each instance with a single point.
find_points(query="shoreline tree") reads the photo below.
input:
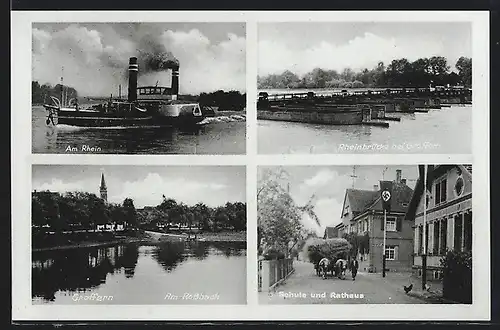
(422, 72)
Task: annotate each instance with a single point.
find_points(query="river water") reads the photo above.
(135, 273)
(440, 131)
(213, 138)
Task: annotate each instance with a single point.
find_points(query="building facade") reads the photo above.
(363, 215)
(448, 218)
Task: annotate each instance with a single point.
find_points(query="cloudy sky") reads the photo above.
(212, 185)
(303, 46)
(329, 184)
(212, 56)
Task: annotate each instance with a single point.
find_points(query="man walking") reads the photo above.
(354, 268)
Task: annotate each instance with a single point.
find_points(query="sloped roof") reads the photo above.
(401, 197)
(364, 200)
(359, 200)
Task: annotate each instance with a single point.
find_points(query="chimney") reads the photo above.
(175, 83)
(133, 69)
(403, 181)
(375, 187)
(398, 176)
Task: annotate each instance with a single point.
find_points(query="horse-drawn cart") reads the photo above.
(329, 256)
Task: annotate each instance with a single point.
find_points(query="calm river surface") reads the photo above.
(212, 138)
(142, 274)
(442, 131)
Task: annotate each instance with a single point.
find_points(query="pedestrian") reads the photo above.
(354, 268)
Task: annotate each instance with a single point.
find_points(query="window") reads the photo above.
(420, 239)
(444, 229)
(390, 252)
(440, 191)
(457, 244)
(391, 224)
(427, 234)
(346, 210)
(459, 186)
(435, 244)
(468, 231)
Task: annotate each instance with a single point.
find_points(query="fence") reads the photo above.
(272, 272)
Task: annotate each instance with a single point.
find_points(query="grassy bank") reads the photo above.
(85, 244)
(227, 236)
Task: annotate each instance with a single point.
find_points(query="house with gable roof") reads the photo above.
(363, 214)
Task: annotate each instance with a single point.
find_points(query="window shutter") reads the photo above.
(398, 224)
(396, 250)
(382, 223)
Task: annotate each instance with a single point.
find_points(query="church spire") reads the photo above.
(103, 189)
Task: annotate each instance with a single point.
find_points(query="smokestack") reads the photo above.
(403, 181)
(133, 69)
(375, 187)
(175, 82)
(398, 176)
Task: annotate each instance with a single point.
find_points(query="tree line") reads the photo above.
(232, 100)
(83, 210)
(423, 72)
(231, 216)
(41, 93)
(79, 210)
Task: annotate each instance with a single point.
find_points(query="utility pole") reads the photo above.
(353, 176)
(424, 236)
(385, 238)
(383, 173)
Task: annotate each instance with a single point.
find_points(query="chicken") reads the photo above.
(408, 288)
(427, 287)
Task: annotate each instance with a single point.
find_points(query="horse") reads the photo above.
(324, 266)
(340, 268)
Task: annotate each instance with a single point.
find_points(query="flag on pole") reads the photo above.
(427, 181)
(386, 195)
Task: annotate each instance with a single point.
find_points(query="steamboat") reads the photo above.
(144, 106)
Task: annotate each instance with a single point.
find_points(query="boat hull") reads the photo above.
(327, 116)
(136, 119)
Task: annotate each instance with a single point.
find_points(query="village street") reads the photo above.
(305, 287)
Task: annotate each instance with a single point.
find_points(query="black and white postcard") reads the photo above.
(323, 232)
(138, 235)
(365, 87)
(250, 165)
(138, 88)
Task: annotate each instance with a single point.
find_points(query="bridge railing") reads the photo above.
(272, 272)
(392, 92)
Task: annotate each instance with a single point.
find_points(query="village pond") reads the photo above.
(141, 273)
(440, 131)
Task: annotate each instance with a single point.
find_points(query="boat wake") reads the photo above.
(223, 119)
(69, 128)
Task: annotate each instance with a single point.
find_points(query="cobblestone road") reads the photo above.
(304, 287)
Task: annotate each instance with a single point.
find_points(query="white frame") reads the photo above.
(388, 250)
(392, 219)
(22, 159)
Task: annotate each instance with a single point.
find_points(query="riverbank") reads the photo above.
(229, 236)
(238, 236)
(86, 244)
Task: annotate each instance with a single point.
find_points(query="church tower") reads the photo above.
(103, 189)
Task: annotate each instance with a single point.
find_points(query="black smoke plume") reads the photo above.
(152, 56)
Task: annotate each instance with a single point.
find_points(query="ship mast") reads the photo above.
(62, 88)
